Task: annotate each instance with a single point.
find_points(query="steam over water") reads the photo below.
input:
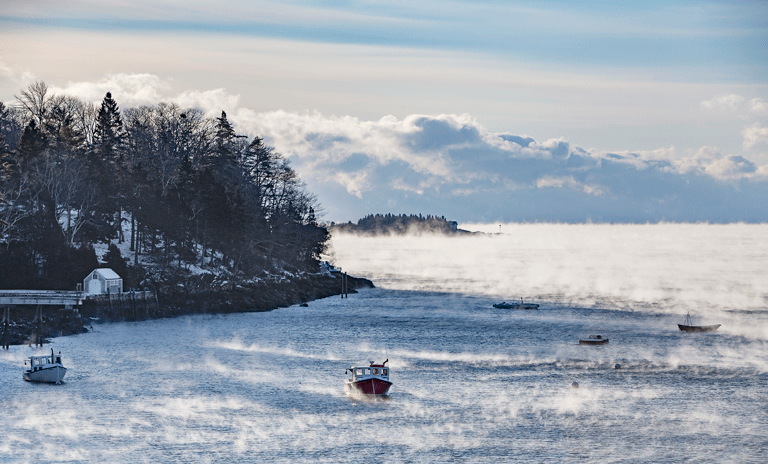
(471, 383)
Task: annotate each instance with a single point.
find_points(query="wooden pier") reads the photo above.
(64, 298)
(39, 298)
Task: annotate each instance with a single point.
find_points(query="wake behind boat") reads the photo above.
(370, 380)
(45, 369)
(689, 327)
(521, 305)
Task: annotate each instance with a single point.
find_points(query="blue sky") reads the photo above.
(479, 111)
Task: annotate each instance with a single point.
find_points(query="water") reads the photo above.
(471, 383)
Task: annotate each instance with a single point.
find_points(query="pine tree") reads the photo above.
(33, 142)
(224, 159)
(65, 138)
(109, 136)
(7, 162)
(3, 142)
(106, 170)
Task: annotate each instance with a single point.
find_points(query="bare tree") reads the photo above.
(12, 208)
(34, 101)
(85, 121)
(64, 179)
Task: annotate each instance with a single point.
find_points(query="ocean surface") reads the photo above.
(471, 383)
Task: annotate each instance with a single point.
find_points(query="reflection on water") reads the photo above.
(471, 383)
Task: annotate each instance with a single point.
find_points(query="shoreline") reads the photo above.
(253, 298)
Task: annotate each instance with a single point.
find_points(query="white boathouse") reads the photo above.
(102, 281)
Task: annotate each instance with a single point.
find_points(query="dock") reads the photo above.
(39, 298)
(65, 298)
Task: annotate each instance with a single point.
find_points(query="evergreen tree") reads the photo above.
(109, 136)
(223, 159)
(7, 162)
(64, 138)
(106, 171)
(33, 142)
(114, 260)
(3, 142)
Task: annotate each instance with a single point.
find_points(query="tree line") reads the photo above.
(399, 224)
(179, 188)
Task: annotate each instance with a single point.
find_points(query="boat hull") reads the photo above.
(602, 341)
(373, 387)
(698, 328)
(48, 375)
(516, 306)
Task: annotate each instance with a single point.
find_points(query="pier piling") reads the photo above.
(6, 320)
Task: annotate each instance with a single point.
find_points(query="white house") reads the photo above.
(327, 267)
(102, 281)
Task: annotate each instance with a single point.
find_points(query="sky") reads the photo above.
(478, 111)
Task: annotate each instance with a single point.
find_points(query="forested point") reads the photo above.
(375, 224)
(180, 199)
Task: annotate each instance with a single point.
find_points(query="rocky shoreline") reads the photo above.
(260, 297)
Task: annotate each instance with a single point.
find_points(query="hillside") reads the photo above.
(176, 202)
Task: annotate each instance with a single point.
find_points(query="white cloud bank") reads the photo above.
(450, 164)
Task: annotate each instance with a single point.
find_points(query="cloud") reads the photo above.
(758, 106)
(419, 161)
(129, 90)
(20, 77)
(211, 101)
(698, 161)
(569, 182)
(753, 111)
(452, 163)
(355, 183)
(731, 167)
(728, 102)
(754, 135)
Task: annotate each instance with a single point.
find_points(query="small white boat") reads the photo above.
(370, 380)
(593, 340)
(45, 369)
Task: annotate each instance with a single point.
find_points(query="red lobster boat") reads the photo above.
(370, 380)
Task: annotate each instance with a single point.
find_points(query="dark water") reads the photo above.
(471, 383)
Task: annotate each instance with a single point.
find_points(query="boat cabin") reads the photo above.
(368, 380)
(43, 362)
(374, 370)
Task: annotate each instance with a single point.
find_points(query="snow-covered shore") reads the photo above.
(257, 297)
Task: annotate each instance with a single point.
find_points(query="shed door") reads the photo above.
(94, 286)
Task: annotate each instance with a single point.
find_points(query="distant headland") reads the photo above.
(399, 224)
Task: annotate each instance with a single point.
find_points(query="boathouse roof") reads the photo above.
(107, 273)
